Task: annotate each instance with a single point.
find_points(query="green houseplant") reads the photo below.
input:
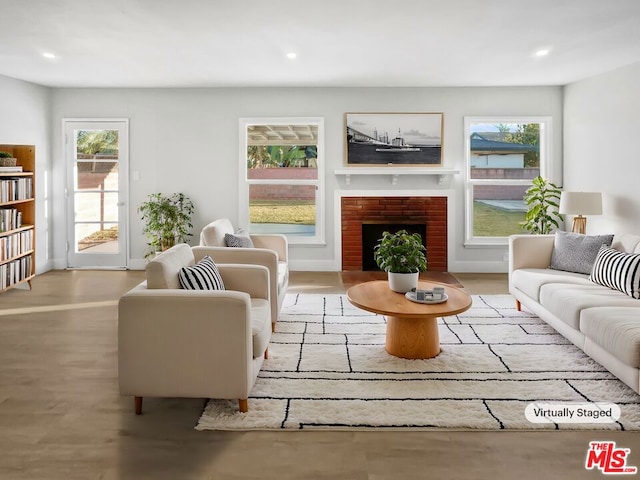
(402, 256)
(6, 159)
(542, 200)
(167, 220)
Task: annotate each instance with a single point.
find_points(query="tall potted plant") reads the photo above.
(167, 220)
(543, 199)
(402, 256)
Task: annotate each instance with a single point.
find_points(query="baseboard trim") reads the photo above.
(313, 266)
(479, 267)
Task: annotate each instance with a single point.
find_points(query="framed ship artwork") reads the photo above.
(393, 139)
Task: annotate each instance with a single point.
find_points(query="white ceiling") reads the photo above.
(200, 43)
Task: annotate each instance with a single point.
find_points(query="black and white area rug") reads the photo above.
(328, 369)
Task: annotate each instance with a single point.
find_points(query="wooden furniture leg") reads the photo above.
(243, 404)
(518, 305)
(138, 405)
(266, 353)
(412, 337)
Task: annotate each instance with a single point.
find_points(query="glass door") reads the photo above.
(97, 166)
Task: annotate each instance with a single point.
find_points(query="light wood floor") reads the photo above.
(61, 416)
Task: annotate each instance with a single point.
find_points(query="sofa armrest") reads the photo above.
(277, 243)
(530, 251)
(251, 279)
(238, 255)
(247, 256)
(241, 256)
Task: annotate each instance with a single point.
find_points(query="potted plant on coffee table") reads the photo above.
(167, 221)
(402, 256)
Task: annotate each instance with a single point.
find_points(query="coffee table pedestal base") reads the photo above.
(414, 338)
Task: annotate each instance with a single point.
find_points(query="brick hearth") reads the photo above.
(356, 210)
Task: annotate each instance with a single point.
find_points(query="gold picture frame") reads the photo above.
(393, 139)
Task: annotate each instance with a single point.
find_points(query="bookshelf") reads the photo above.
(17, 218)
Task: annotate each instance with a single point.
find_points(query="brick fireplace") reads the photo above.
(432, 211)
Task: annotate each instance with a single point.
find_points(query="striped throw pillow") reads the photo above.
(617, 270)
(202, 276)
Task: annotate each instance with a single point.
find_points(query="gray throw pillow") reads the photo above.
(238, 239)
(574, 252)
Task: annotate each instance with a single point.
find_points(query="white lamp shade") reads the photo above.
(581, 203)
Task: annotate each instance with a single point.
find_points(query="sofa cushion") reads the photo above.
(618, 270)
(574, 252)
(615, 329)
(567, 301)
(529, 280)
(202, 276)
(626, 242)
(283, 275)
(163, 270)
(260, 325)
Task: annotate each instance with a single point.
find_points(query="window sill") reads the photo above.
(493, 243)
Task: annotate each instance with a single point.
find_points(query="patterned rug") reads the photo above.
(328, 369)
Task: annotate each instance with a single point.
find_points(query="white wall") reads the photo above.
(24, 120)
(187, 140)
(601, 147)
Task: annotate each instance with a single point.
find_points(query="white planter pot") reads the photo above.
(403, 282)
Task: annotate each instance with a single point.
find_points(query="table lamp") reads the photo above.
(580, 203)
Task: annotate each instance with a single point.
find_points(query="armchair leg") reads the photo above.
(266, 353)
(138, 405)
(518, 306)
(273, 327)
(243, 405)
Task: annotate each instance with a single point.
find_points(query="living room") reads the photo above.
(186, 138)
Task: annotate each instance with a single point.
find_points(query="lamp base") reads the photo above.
(579, 224)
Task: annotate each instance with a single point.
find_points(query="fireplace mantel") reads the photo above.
(395, 172)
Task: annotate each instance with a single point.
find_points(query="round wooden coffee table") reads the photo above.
(412, 328)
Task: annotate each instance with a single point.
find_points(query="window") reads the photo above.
(503, 156)
(281, 179)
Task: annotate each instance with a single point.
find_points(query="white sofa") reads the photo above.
(269, 250)
(603, 322)
(174, 342)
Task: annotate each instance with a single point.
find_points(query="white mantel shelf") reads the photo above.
(395, 172)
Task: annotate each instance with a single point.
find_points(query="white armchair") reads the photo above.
(193, 343)
(271, 251)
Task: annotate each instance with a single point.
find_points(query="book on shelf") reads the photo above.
(16, 169)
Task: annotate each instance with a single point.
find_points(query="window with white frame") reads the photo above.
(281, 177)
(503, 156)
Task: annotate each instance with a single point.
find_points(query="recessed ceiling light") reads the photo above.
(48, 55)
(542, 52)
(291, 55)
